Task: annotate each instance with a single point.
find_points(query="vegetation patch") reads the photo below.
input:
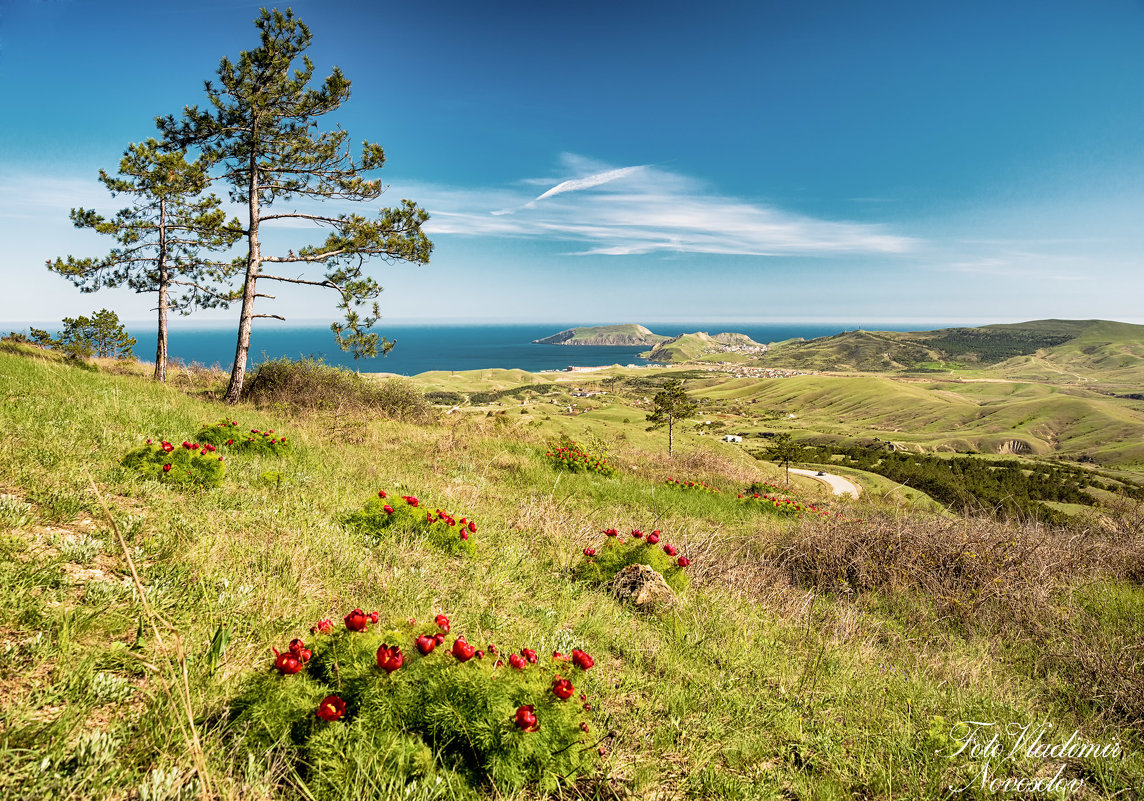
(383, 515)
(361, 702)
(226, 434)
(600, 565)
(188, 463)
(772, 504)
(567, 454)
(697, 486)
(310, 385)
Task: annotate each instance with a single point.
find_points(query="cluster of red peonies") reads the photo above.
(651, 539)
(292, 660)
(572, 456)
(464, 525)
(782, 505)
(692, 485)
(358, 620)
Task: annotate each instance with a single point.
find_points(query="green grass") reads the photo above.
(752, 687)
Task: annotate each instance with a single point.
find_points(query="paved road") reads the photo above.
(840, 485)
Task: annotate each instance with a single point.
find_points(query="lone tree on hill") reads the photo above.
(262, 128)
(784, 450)
(671, 404)
(162, 234)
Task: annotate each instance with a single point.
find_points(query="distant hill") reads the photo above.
(1036, 349)
(694, 347)
(630, 335)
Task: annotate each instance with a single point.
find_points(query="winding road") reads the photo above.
(838, 484)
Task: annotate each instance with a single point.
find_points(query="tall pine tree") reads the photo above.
(262, 128)
(164, 236)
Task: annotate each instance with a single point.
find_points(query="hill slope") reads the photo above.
(628, 334)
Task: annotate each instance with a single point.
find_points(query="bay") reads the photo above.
(422, 347)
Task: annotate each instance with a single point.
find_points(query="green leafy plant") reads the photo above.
(402, 699)
(600, 565)
(781, 506)
(189, 463)
(228, 434)
(382, 515)
(567, 454)
(692, 485)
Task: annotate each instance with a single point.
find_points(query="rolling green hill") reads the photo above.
(701, 345)
(1054, 350)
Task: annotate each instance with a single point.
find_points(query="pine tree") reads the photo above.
(671, 404)
(784, 450)
(99, 335)
(163, 236)
(262, 128)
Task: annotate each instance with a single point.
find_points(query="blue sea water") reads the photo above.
(424, 347)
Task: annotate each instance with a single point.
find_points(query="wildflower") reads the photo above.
(517, 661)
(356, 620)
(168, 447)
(166, 468)
(669, 549)
(461, 650)
(472, 527)
(525, 720)
(297, 646)
(388, 509)
(589, 551)
(479, 654)
(442, 623)
(230, 442)
(492, 649)
(381, 493)
(426, 644)
(582, 660)
(584, 727)
(683, 561)
(562, 688)
(637, 533)
(439, 637)
(559, 657)
(148, 442)
(324, 626)
(611, 532)
(530, 655)
(287, 663)
(331, 708)
(389, 658)
(653, 538)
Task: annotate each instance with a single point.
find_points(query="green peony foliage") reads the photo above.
(385, 514)
(600, 565)
(189, 463)
(228, 434)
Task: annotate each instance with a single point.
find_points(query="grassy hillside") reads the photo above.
(701, 346)
(1067, 350)
(814, 657)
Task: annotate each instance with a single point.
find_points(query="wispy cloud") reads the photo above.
(608, 210)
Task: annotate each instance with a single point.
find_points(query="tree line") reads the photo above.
(257, 135)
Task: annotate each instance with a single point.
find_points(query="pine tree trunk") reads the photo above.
(669, 443)
(164, 281)
(246, 317)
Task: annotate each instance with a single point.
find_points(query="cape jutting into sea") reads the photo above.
(423, 347)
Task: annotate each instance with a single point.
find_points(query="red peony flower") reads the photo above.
(287, 663)
(472, 527)
(389, 658)
(492, 649)
(357, 620)
(439, 637)
(525, 720)
(462, 650)
(653, 538)
(331, 708)
(582, 660)
(559, 657)
(388, 509)
(589, 551)
(669, 549)
(611, 532)
(517, 661)
(562, 688)
(530, 655)
(584, 727)
(637, 533)
(373, 617)
(297, 646)
(683, 561)
(325, 626)
(230, 442)
(426, 644)
(381, 493)
(442, 623)
(148, 442)
(168, 447)
(166, 468)
(480, 654)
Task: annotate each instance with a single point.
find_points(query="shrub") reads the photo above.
(568, 454)
(600, 565)
(226, 434)
(403, 700)
(309, 384)
(382, 515)
(781, 506)
(189, 463)
(692, 485)
(763, 488)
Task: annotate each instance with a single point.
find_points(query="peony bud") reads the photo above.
(356, 620)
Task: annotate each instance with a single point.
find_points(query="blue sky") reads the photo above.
(893, 161)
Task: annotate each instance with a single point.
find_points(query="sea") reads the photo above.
(423, 347)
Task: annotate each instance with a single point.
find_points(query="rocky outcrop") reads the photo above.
(643, 587)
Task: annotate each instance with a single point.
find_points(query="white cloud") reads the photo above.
(644, 209)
